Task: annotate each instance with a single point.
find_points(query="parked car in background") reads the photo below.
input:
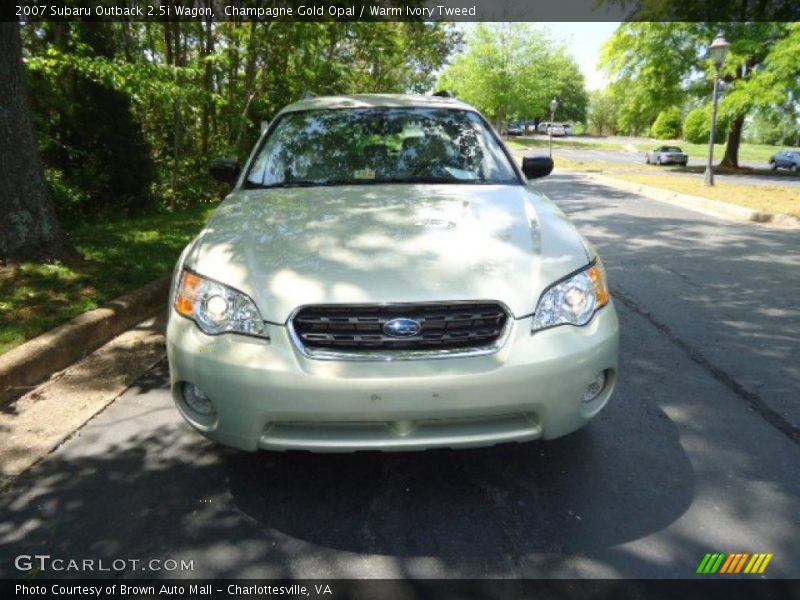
(667, 155)
(515, 129)
(556, 130)
(542, 127)
(384, 277)
(567, 128)
(785, 159)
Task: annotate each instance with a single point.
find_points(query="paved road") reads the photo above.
(699, 450)
(636, 159)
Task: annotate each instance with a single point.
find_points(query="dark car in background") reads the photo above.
(785, 159)
(666, 155)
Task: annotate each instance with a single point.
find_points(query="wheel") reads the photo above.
(647, 159)
(683, 164)
(773, 165)
(658, 160)
(793, 168)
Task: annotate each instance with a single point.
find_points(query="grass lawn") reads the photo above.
(121, 255)
(523, 144)
(596, 166)
(766, 198)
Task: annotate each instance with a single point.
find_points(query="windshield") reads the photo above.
(380, 145)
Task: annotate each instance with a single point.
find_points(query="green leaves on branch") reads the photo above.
(512, 71)
(667, 125)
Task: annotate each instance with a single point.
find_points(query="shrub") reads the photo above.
(697, 126)
(667, 125)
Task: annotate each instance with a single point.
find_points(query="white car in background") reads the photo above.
(667, 155)
(557, 130)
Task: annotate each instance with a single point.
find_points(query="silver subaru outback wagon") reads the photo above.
(383, 277)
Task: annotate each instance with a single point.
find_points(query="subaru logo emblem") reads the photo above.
(402, 327)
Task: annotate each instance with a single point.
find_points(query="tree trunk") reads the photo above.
(207, 49)
(731, 158)
(29, 228)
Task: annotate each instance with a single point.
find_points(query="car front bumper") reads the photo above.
(674, 160)
(268, 395)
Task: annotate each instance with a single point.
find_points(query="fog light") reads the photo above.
(197, 400)
(594, 388)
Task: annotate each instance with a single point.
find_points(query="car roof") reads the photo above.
(375, 101)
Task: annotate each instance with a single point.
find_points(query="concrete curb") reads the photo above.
(707, 206)
(35, 361)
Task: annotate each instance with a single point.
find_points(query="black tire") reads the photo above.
(647, 159)
(793, 168)
(773, 165)
(658, 161)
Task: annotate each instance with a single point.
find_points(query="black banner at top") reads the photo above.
(402, 10)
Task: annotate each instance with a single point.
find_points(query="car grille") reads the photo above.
(359, 328)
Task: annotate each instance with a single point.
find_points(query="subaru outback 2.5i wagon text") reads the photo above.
(383, 277)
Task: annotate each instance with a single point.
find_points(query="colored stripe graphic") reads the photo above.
(728, 564)
(703, 563)
(741, 563)
(736, 560)
(767, 558)
(711, 563)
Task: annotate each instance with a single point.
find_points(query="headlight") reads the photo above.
(573, 301)
(216, 308)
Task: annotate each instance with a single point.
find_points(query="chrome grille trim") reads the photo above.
(496, 336)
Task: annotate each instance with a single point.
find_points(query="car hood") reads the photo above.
(287, 248)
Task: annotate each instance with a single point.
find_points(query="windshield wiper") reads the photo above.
(331, 182)
(283, 184)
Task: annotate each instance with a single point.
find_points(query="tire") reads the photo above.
(647, 159)
(773, 165)
(658, 161)
(793, 168)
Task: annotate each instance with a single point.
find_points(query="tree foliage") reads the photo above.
(659, 65)
(513, 71)
(667, 125)
(603, 112)
(129, 113)
(28, 227)
(697, 126)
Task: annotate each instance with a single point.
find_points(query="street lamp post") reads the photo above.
(553, 107)
(718, 51)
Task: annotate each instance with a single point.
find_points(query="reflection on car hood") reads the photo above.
(388, 243)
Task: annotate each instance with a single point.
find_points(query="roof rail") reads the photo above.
(444, 94)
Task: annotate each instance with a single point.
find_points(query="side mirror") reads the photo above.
(225, 169)
(535, 166)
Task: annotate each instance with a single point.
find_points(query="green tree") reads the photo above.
(662, 64)
(29, 227)
(88, 133)
(697, 126)
(171, 95)
(512, 70)
(667, 125)
(603, 112)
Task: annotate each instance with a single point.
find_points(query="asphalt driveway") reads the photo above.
(699, 451)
